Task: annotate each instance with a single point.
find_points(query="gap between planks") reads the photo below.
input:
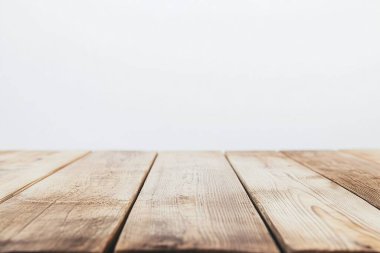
(116, 234)
(306, 211)
(18, 180)
(350, 170)
(110, 247)
(193, 201)
(266, 221)
(89, 217)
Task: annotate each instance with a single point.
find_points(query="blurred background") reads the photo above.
(169, 74)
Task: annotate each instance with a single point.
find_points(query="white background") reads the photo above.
(189, 74)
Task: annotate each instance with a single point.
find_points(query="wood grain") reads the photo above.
(358, 175)
(18, 170)
(193, 201)
(77, 209)
(306, 211)
(370, 154)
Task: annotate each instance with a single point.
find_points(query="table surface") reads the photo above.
(243, 201)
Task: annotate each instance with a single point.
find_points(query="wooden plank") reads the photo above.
(369, 154)
(360, 176)
(305, 211)
(18, 170)
(193, 201)
(78, 209)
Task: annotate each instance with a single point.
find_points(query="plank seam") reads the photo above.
(262, 216)
(114, 238)
(23, 188)
(304, 165)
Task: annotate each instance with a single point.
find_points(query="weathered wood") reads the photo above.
(370, 154)
(77, 209)
(306, 211)
(358, 175)
(193, 201)
(18, 170)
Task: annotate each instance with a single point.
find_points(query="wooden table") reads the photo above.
(301, 201)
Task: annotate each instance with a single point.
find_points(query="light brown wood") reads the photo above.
(18, 170)
(193, 201)
(77, 209)
(306, 211)
(360, 176)
(370, 154)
